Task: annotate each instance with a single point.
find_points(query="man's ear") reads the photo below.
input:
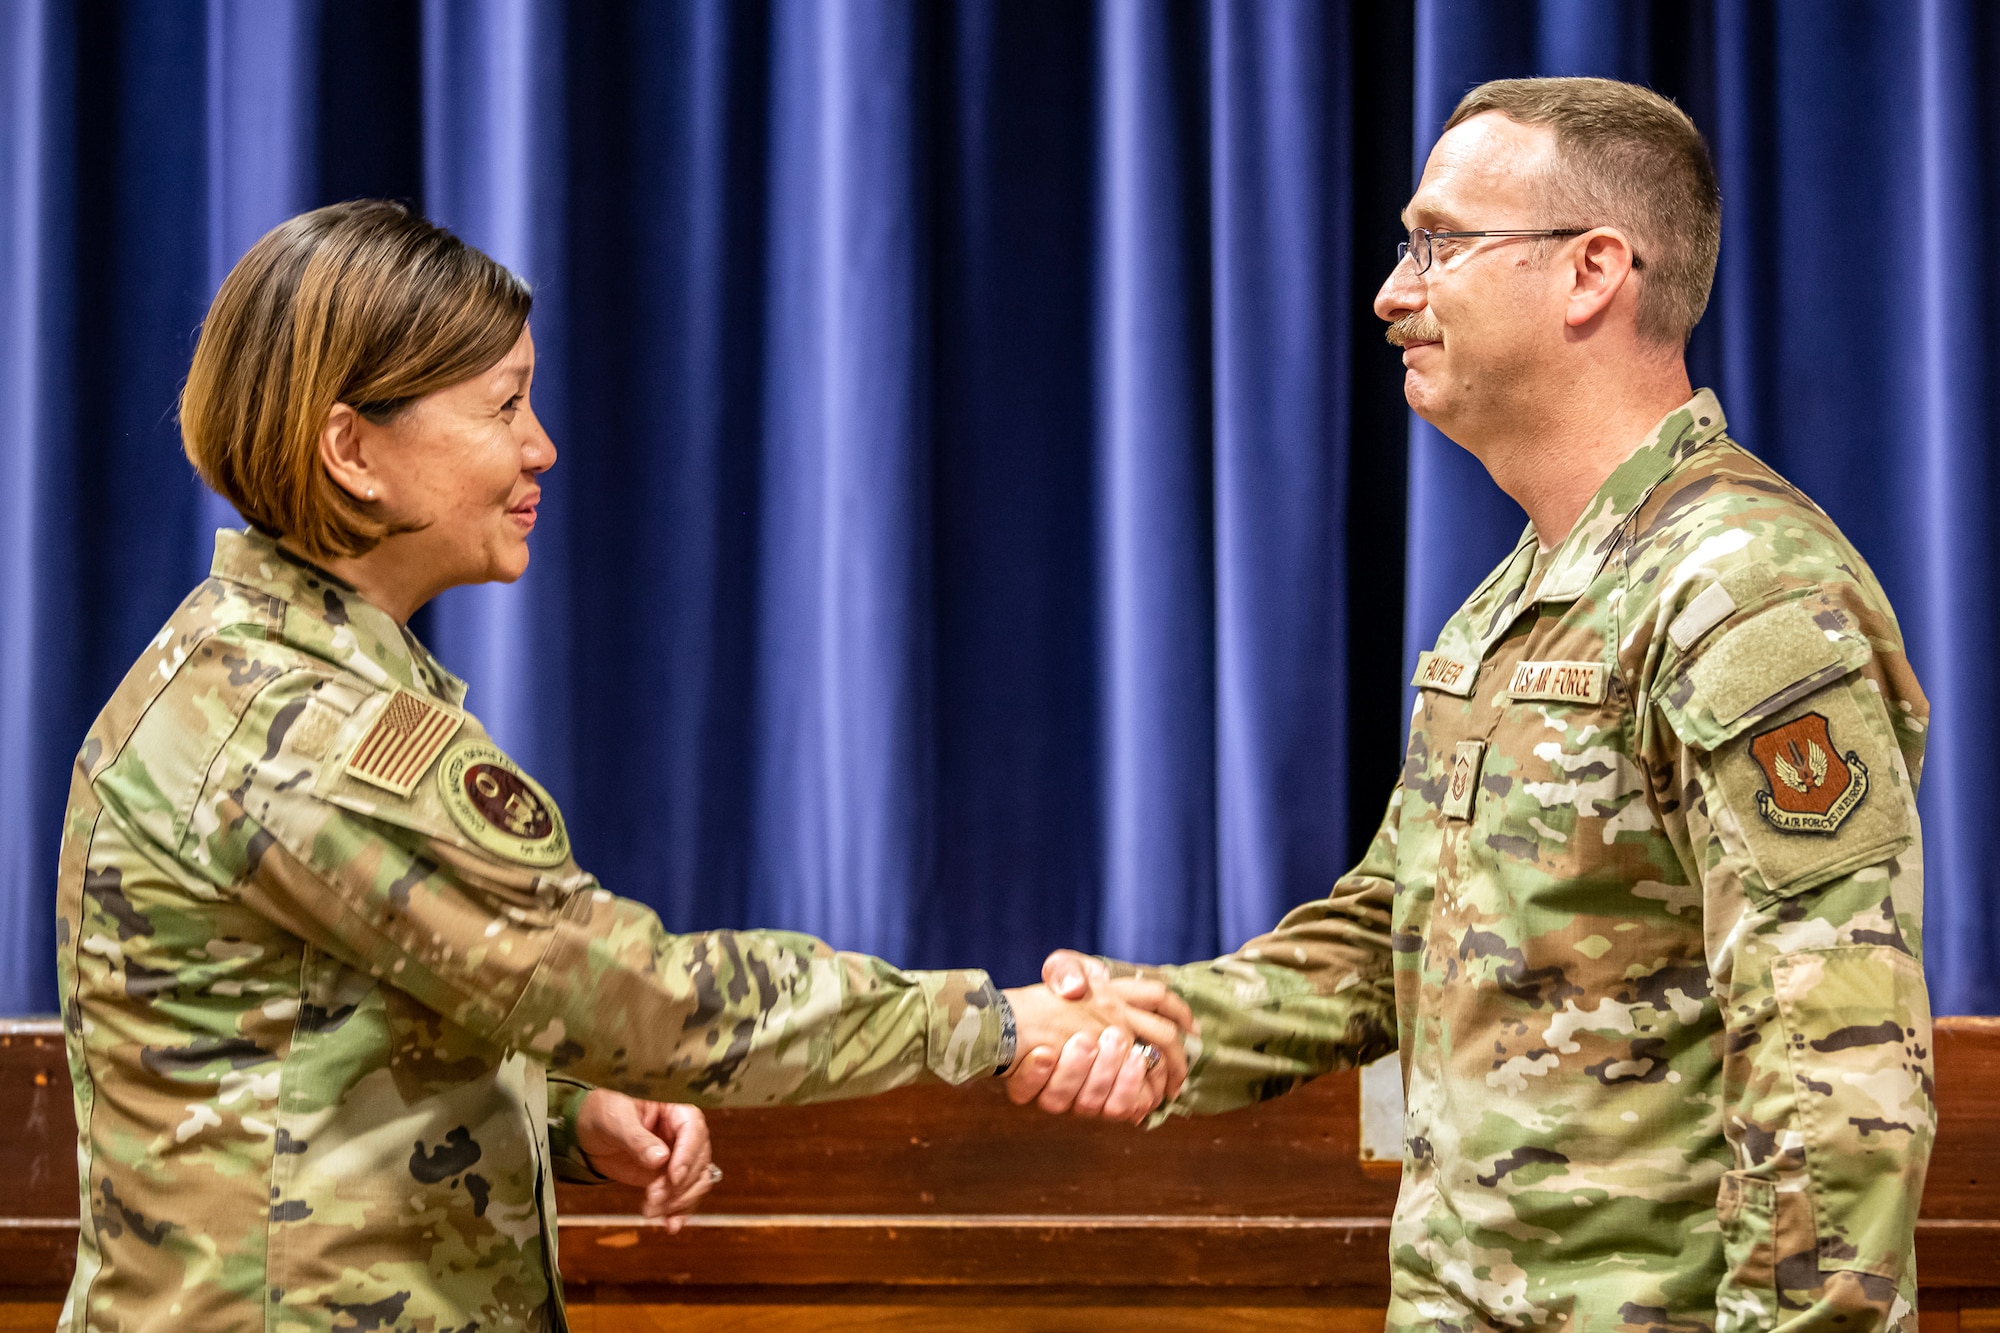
(1599, 269)
(343, 452)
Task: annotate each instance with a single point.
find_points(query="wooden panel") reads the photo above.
(39, 1162)
(882, 1213)
(1936, 1317)
(1343, 1253)
(855, 1310)
(37, 1253)
(1965, 1168)
(933, 1149)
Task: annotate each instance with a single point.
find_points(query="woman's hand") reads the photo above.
(661, 1145)
(1121, 1037)
(1108, 1077)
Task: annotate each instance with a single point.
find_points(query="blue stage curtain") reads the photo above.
(981, 523)
(951, 548)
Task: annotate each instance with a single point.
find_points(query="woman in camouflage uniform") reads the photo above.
(337, 995)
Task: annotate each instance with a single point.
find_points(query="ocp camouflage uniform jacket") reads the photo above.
(1644, 920)
(319, 941)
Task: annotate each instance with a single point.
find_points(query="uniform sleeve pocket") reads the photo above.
(1857, 1031)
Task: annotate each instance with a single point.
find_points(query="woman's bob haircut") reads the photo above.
(362, 303)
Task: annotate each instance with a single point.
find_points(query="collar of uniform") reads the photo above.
(1575, 564)
(356, 633)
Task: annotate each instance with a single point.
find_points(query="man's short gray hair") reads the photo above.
(1626, 158)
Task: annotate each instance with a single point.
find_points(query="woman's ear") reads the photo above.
(344, 453)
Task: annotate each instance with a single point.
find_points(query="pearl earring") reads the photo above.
(371, 492)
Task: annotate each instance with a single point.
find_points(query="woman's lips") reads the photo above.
(524, 512)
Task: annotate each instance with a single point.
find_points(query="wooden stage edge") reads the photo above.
(940, 1208)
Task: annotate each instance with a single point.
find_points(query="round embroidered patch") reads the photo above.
(501, 808)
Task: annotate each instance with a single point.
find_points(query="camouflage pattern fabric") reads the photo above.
(1644, 921)
(321, 946)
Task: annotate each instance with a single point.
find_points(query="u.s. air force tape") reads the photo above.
(501, 808)
(1559, 682)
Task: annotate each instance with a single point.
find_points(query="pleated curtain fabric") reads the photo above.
(986, 518)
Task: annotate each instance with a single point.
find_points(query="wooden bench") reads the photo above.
(935, 1208)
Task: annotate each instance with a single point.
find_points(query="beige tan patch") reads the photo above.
(399, 746)
(1463, 785)
(1435, 671)
(1560, 682)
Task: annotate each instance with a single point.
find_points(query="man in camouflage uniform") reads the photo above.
(319, 940)
(1644, 918)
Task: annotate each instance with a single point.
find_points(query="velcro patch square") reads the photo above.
(407, 735)
(1463, 784)
(1701, 615)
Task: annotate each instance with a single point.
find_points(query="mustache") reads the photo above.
(1416, 327)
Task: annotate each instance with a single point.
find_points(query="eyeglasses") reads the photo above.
(1418, 247)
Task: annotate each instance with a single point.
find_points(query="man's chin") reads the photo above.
(1417, 391)
(1420, 392)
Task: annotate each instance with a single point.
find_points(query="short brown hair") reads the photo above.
(1629, 158)
(361, 303)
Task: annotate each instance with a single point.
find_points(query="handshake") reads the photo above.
(1093, 1045)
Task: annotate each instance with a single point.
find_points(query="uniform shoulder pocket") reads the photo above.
(416, 765)
(1794, 743)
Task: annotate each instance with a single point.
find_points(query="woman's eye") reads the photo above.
(512, 404)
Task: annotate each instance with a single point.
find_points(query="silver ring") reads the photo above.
(714, 1173)
(1149, 1053)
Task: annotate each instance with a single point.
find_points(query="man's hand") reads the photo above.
(661, 1145)
(1098, 1025)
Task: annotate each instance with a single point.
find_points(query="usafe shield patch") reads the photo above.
(501, 808)
(1435, 671)
(1464, 783)
(1562, 682)
(1813, 786)
(407, 735)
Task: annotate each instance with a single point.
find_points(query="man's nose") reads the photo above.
(1402, 292)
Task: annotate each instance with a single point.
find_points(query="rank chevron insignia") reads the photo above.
(1812, 790)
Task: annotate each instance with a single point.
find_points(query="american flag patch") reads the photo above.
(407, 735)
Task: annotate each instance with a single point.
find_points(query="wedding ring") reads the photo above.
(714, 1173)
(1149, 1053)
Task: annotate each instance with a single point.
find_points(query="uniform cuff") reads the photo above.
(565, 1153)
(966, 1024)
